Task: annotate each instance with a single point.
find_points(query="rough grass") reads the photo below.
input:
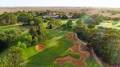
(91, 62)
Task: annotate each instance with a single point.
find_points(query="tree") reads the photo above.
(3, 18)
(54, 23)
(80, 23)
(88, 21)
(50, 23)
(68, 25)
(25, 18)
(8, 18)
(50, 26)
(38, 20)
(57, 22)
(106, 45)
(37, 30)
(8, 38)
(99, 18)
(13, 58)
(75, 15)
(83, 32)
(12, 18)
(64, 16)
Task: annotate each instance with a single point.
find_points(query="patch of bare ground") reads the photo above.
(115, 65)
(77, 62)
(77, 47)
(40, 47)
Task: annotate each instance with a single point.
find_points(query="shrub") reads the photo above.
(64, 17)
(68, 25)
(106, 45)
(88, 20)
(25, 39)
(90, 62)
(25, 18)
(8, 38)
(22, 45)
(12, 58)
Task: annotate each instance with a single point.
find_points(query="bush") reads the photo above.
(25, 39)
(99, 18)
(88, 20)
(91, 62)
(25, 18)
(64, 17)
(8, 38)
(105, 42)
(84, 33)
(8, 18)
(68, 25)
(12, 57)
(22, 45)
(106, 45)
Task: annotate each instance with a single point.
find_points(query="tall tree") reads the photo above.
(25, 18)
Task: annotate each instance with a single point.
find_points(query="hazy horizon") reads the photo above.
(61, 3)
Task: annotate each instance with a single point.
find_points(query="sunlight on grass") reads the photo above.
(53, 42)
(110, 24)
(28, 52)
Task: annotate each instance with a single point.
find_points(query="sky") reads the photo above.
(60, 3)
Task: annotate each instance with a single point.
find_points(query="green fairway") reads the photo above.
(55, 46)
(110, 24)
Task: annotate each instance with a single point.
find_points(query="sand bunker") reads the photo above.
(40, 47)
